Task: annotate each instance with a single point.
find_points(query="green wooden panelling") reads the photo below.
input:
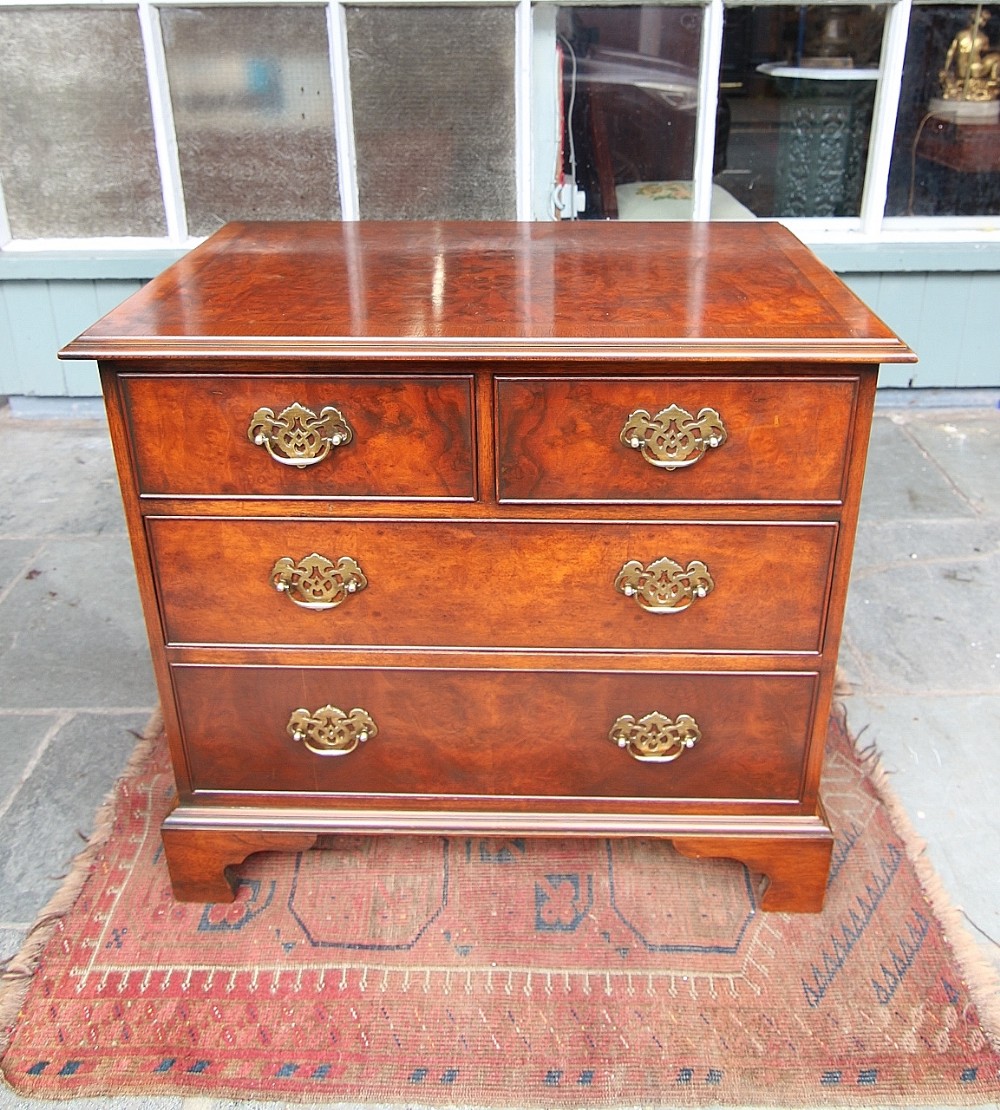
(10, 376)
(81, 377)
(909, 258)
(945, 317)
(33, 337)
(980, 354)
(39, 317)
(901, 305)
(948, 318)
(902, 312)
(86, 265)
(74, 306)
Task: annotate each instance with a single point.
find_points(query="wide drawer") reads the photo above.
(284, 435)
(493, 583)
(684, 438)
(494, 734)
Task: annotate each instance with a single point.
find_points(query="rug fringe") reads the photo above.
(981, 975)
(15, 979)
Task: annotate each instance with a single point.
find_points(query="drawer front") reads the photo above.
(776, 439)
(496, 584)
(494, 734)
(243, 436)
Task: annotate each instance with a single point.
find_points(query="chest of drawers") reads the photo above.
(494, 529)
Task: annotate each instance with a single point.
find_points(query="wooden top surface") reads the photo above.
(744, 291)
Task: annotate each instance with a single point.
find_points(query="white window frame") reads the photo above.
(535, 126)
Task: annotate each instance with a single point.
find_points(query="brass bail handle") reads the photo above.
(297, 436)
(655, 738)
(331, 731)
(665, 586)
(673, 438)
(316, 582)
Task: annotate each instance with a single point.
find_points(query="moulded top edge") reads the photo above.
(865, 350)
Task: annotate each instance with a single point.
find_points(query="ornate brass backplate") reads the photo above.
(655, 738)
(317, 583)
(665, 586)
(673, 438)
(297, 436)
(331, 731)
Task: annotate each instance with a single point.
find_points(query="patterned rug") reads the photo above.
(480, 972)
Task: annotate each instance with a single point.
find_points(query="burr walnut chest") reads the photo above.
(497, 529)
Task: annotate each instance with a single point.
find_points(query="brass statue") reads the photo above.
(971, 71)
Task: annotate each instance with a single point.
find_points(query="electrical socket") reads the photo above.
(568, 200)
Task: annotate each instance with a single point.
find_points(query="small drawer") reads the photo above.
(683, 438)
(510, 584)
(480, 734)
(302, 436)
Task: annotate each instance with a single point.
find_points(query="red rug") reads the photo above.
(487, 973)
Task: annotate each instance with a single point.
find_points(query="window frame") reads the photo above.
(535, 126)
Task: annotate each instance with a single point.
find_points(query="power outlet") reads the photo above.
(568, 201)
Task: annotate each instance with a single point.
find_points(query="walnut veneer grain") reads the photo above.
(489, 495)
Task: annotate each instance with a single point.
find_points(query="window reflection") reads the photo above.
(253, 110)
(630, 103)
(76, 146)
(946, 152)
(796, 97)
(433, 95)
(799, 84)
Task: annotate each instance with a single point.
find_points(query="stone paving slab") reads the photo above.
(14, 556)
(21, 734)
(9, 1100)
(966, 446)
(71, 632)
(929, 627)
(52, 814)
(903, 482)
(11, 938)
(892, 543)
(62, 479)
(932, 750)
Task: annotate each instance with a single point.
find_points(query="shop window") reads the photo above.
(77, 153)
(629, 90)
(486, 110)
(798, 86)
(253, 113)
(432, 90)
(946, 151)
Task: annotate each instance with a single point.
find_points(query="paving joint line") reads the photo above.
(61, 720)
(25, 568)
(953, 485)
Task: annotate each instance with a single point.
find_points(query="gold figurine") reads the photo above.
(971, 71)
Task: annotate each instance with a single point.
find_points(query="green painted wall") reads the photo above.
(942, 299)
(949, 319)
(36, 319)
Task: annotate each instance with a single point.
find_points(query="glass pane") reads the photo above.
(946, 152)
(433, 96)
(253, 110)
(76, 135)
(798, 86)
(630, 103)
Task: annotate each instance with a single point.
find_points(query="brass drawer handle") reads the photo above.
(665, 586)
(297, 436)
(655, 738)
(673, 437)
(331, 731)
(317, 583)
